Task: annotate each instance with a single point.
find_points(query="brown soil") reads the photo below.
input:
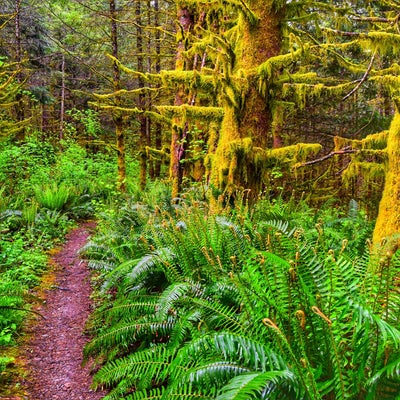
(54, 352)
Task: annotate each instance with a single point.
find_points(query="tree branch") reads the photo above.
(363, 79)
(346, 150)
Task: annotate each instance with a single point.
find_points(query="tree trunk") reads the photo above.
(179, 127)
(117, 116)
(142, 119)
(62, 100)
(251, 119)
(158, 127)
(388, 220)
(19, 104)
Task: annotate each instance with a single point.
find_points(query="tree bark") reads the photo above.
(142, 119)
(62, 99)
(179, 127)
(117, 116)
(388, 220)
(158, 127)
(253, 117)
(19, 107)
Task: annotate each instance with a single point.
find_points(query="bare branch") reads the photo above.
(374, 19)
(346, 150)
(363, 79)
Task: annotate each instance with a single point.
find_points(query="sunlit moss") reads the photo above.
(195, 112)
(377, 141)
(369, 171)
(296, 153)
(388, 222)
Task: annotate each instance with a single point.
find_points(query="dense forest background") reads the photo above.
(229, 81)
(232, 152)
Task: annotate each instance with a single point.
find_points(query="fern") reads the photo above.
(128, 332)
(137, 370)
(259, 385)
(236, 307)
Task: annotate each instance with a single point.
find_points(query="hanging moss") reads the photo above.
(155, 78)
(303, 92)
(369, 171)
(388, 221)
(156, 117)
(247, 163)
(383, 42)
(240, 148)
(124, 92)
(377, 141)
(115, 109)
(157, 154)
(271, 67)
(389, 81)
(294, 154)
(394, 69)
(191, 79)
(195, 112)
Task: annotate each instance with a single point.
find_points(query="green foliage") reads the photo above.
(89, 121)
(9, 89)
(21, 164)
(273, 302)
(4, 361)
(43, 190)
(54, 196)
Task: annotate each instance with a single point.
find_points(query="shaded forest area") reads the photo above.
(242, 159)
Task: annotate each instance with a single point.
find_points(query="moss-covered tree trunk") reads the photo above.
(179, 128)
(142, 119)
(19, 103)
(117, 117)
(249, 116)
(388, 221)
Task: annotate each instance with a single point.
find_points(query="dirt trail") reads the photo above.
(54, 354)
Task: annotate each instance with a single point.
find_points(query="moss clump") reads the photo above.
(377, 141)
(388, 221)
(297, 153)
(195, 112)
(369, 171)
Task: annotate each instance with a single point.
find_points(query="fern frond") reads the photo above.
(217, 315)
(127, 309)
(171, 295)
(253, 385)
(229, 347)
(183, 393)
(390, 371)
(212, 376)
(153, 394)
(128, 332)
(363, 315)
(160, 260)
(137, 370)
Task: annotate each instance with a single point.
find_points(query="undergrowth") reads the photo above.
(275, 301)
(44, 191)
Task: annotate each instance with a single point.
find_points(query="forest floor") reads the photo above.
(52, 354)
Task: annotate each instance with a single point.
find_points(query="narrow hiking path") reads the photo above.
(54, 352)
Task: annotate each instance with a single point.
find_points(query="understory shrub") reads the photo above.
(243, 304)
(43, 191)
(53, 196)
